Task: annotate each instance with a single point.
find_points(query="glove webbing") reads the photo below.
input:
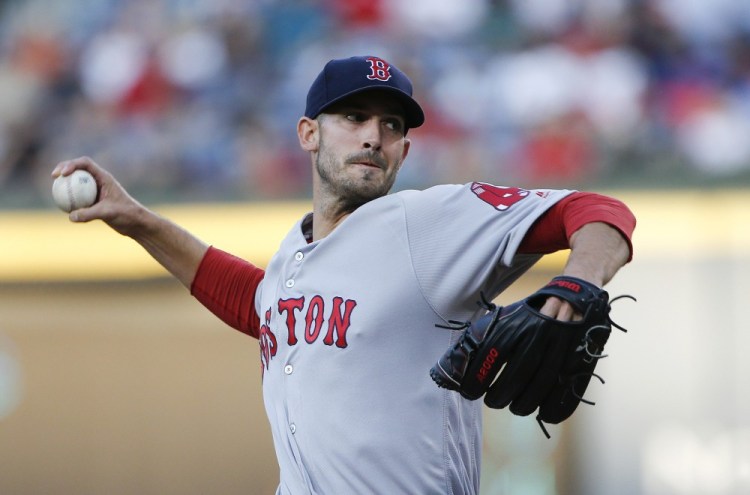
(595, 355)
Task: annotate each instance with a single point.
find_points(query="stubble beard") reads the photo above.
(348, 191)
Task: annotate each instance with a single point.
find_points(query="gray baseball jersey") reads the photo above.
(348, 337)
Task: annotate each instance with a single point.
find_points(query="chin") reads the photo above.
(363, 194)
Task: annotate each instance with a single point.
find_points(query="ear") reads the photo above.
(308, 133)
(404, 153)
(407, 146)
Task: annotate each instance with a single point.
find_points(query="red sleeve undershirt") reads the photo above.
(226, 284)
(551, 232)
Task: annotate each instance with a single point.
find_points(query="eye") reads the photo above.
(394, 125)
(354, 116)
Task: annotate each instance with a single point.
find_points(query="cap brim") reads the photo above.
(413, 114)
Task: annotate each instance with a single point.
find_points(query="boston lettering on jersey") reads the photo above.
(315, 317)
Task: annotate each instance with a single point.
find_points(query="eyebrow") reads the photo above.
(395, 112)
(359, 103)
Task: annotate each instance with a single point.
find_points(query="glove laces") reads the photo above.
(593, 352)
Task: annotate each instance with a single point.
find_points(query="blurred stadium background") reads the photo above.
(114, 381)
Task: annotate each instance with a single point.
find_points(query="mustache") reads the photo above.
(368, 157)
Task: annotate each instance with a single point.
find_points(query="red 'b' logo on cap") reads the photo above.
(381, 70)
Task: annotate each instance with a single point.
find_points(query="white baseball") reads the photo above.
(74, 191)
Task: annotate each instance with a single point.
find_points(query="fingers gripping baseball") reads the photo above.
(113, 204)
(538, 354)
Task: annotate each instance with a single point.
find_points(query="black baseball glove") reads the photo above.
(515, 356)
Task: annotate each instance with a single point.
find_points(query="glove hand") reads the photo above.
(538, 353)
(560, 310)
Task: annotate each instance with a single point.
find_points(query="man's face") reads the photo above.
(362, 146)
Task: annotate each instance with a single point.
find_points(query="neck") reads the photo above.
(327, 216)
(331, 207)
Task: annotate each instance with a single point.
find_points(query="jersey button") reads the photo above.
(298, 256)
(290, 283)
(288, 369)
(293, 428)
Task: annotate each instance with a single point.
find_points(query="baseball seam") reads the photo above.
(71, 193)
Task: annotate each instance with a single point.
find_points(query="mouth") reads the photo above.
(367, 164)
(370, 162)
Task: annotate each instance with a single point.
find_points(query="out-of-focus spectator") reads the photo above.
(715, 138)
(560, 151)
(191, 99)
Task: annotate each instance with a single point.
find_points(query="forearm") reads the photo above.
(597, 229)
(597, 252)
(173, 247)
(178, 251)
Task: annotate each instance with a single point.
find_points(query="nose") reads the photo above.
(371, 134)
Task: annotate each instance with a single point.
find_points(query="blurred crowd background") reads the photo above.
(198, 100)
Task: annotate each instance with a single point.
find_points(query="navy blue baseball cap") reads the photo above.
(344, 77)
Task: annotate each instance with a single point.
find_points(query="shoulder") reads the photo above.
(417, 194)
(483, 196)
